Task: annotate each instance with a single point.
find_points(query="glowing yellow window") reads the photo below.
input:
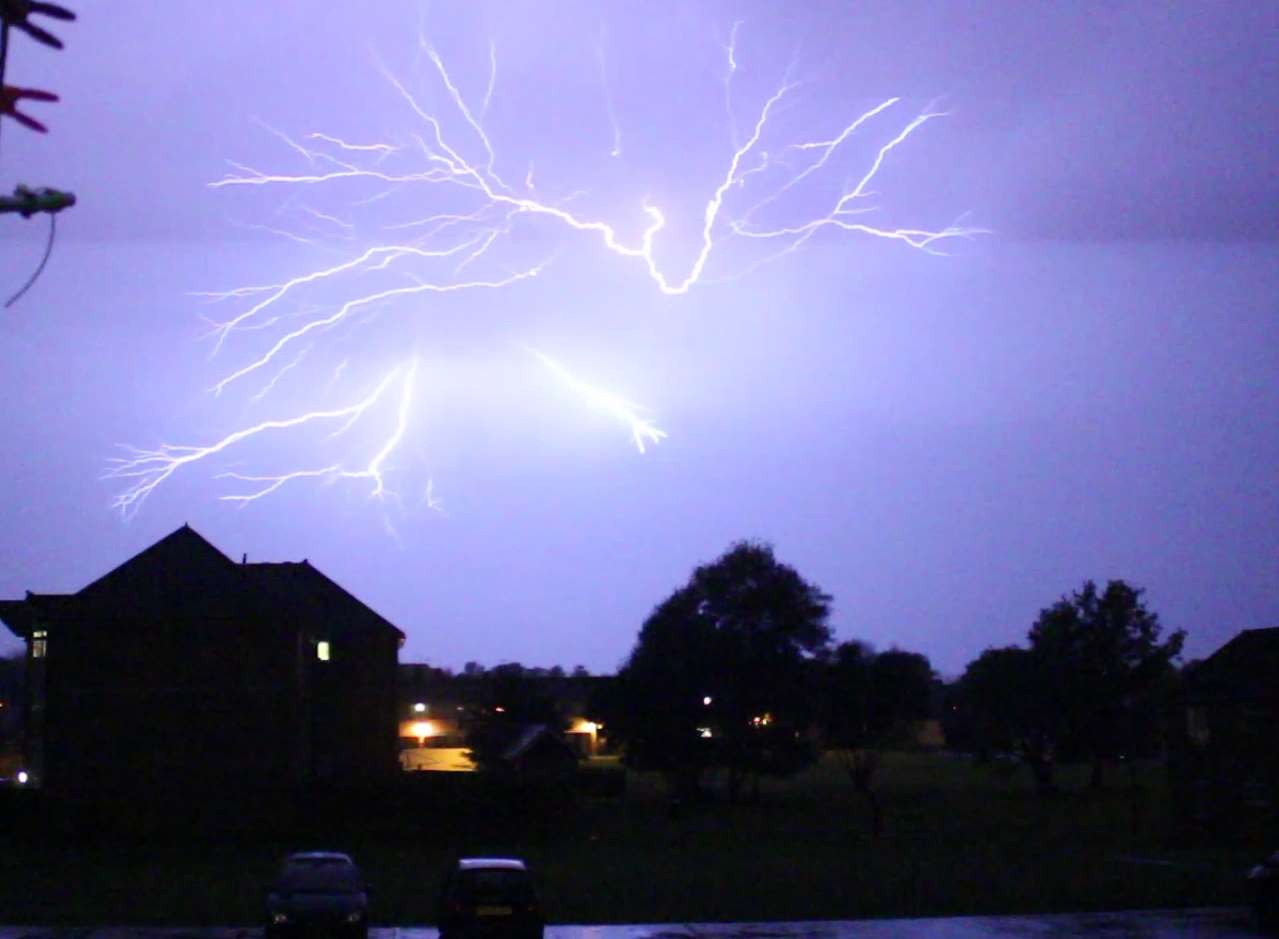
(322, 651)
(39, 644)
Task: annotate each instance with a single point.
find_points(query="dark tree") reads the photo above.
(1100, 656)
(722, 674)
(875, 702)
(1091, 685)
(1002, 695)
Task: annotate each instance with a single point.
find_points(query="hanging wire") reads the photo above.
(53, 221)
(48, 250)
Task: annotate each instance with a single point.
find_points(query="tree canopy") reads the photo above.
(1088, 686)
(723, 670)
(1099, 656)
(877, 698)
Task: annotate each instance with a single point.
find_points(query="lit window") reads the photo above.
(39, 644)
(322, 651)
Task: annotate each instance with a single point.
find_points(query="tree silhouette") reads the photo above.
(875, 701)
(722, 674)
(1100, 656)
(1090, 686)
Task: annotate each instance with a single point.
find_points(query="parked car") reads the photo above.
(1264, 880)
(318, 892)
(487, 898)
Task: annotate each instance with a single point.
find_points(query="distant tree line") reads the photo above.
(736, 676)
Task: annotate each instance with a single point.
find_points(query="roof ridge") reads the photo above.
(185, 533)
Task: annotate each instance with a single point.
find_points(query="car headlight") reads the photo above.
(354, 916)
(279, 919)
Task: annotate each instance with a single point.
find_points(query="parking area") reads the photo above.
(1218, 923)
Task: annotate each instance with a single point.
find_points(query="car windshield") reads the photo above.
(495, 884)
(319, 875)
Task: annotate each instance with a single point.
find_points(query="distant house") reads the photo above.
(439, 709)
(182, 669)
(540, 754)
(1225, 749)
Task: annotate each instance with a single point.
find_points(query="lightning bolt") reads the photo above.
(641, 428)
(464, 214)
(150, 468)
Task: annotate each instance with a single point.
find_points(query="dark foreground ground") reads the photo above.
(1147, 924)
(958, 840)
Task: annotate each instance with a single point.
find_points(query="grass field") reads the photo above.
(958, 839)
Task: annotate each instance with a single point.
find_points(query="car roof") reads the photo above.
(490, 863)
(332, 856)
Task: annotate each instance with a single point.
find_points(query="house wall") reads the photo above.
(185, 704)
(353, 702)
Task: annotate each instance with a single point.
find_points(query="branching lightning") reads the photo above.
(641, 428)
(463, 214)
(150, 468)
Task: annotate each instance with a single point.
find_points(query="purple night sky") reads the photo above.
(946, 444)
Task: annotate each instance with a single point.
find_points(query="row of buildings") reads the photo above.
(184, 669)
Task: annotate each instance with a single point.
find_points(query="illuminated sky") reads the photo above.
(944, 443)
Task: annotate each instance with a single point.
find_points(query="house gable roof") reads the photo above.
(1245, 669)
(24, 616)
(184, 577)
(537, 740)
(309, 595)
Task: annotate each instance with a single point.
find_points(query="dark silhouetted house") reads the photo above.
(184, 670)
(540, 754)
(1226, 753)
(12, 698)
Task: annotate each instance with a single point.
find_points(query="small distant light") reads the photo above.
(500, 709)
(419, 708)
(279, 919)
(322, 651)
(705, 732)
(707, 702)
(23, 777)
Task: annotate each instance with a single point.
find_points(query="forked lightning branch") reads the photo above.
(464, 208)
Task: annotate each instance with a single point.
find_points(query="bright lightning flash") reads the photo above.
(619, 408)
(470, 215)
